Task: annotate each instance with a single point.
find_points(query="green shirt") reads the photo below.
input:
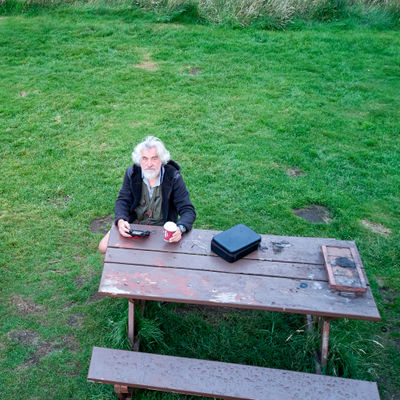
(149, 210)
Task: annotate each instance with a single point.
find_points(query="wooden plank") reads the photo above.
(344, 269)
(199, 262)
(218, 379)
(233, 290)
(197, 241)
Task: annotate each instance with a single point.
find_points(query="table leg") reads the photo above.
(325, 341)
(131, 322)
(310, 321)
(323, 324)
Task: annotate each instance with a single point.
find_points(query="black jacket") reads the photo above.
(175, 197)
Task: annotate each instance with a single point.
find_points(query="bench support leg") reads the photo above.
(123, 392)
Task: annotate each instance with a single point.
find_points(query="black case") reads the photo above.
(235, 243)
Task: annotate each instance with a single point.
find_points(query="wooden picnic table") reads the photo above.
(286, 274)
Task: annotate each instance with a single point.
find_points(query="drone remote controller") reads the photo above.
(138, 233)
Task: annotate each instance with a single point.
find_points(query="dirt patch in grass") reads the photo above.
(147, 65)
(102, 224)
(87, 274)
(41, 351)
(95, 297)
(25, 306)
(294, 172)
(29, 339)
(24, 94)
(59, 202)
(195, 71)
(25, 337)
(76, 319)
(80, 281)
(391, 391)
(42, 348)
(388, 295)
(68, 306)
(380, 280)
(314, 213)
(69, 343)
(376, 227)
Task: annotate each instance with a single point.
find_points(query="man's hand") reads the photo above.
(176, 237)
(123, 227)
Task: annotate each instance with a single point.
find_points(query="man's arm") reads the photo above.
(123, 227)
(124, 199)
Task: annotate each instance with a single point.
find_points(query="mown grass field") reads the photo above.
(262, 123)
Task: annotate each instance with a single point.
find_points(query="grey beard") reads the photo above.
(151, 174)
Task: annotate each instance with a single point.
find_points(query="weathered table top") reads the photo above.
(285, 274)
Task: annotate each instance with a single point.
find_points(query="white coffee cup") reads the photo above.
(169, 229)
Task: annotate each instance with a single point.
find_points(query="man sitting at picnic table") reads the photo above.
(153, 192)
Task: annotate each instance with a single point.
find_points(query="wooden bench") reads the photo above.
(129, 369)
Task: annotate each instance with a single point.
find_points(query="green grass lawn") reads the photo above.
(238, 109)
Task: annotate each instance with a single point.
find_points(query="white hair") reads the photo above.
(148, 143)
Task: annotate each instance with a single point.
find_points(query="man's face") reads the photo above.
(150, 163)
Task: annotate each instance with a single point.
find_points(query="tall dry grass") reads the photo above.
(388, 5)
(244, 12)
(274, 13)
